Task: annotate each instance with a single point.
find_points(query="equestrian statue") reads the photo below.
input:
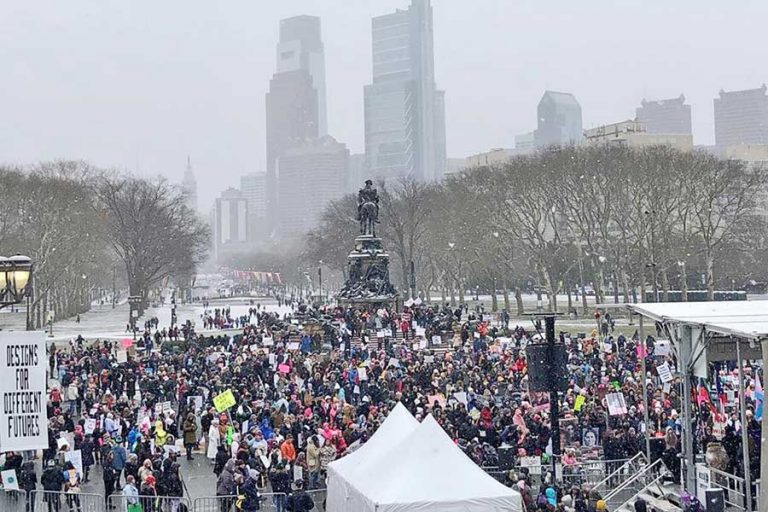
(368, 209)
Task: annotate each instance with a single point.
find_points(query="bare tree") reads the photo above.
(151, 229)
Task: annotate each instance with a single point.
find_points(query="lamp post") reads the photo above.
(15, 274)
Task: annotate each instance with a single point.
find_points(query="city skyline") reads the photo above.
(121, 89)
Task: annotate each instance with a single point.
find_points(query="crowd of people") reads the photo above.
(314, 383)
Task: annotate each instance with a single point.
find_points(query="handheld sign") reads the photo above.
(224, 401)
(23, 422)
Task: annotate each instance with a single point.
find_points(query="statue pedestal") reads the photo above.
(368, 282)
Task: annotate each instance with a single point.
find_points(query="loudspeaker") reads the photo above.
(547, 368)
(715, 500)
(507, 457)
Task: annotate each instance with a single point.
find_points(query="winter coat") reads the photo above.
(299, 501)
(313, 456)
(27, 477)
(251, 496)
(52, 479)
(225, 486)
(190, 431)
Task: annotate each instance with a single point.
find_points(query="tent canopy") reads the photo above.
(398, 425)
(744, 319)
(425, 471)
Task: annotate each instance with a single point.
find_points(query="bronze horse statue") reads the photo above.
(368, 217)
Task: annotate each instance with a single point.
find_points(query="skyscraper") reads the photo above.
(229, 223)
(189, 187)
(404, 112)
(665, 116)
(310, 175)
(741, 117)
(295, 103)
(559, 120)
(254, 189)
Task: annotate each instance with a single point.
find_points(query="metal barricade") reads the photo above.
(14, 501)
(734, 488)
(53, 501)
(120, 502)
(214, 504)
(227, 503)
(318, 497)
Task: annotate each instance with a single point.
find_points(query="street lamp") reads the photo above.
(15, 274)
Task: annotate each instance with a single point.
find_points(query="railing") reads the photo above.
(618, 473)
(43, 501)
(13, 501)
(734, 488)
(634, 485)
(121, 503)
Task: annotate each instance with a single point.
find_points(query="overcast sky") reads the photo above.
(140, 84)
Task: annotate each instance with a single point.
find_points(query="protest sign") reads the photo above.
(76, 458)
(167, 407)
(393, 361)
(718, 429)
(461, 396)
(362, 373)
(665, 373)
(420, 331)
(284, 368)
(10, 481)
(126, 342)
(90, 425)
(268, 342)
(379, 334)
(437, 340)
(429, 359)
(224, 401)
(616, 404)
(662, 348)
(532, 463)
(23, 423)
(579, 403)
(121, 356)
(294, 345)
(197, 402)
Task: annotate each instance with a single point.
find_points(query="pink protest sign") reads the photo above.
(284, 368)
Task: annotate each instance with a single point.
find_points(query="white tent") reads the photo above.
(398, 425)
(424, 472)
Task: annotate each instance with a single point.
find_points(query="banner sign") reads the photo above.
(224, 401)
(23, 423)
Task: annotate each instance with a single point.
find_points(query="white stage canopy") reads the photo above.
(744, 319)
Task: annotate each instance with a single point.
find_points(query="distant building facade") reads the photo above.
(525, 143)
(634, 134)
(310, 175)
(741, 117)
(559, 120)
(253, 187)
(357, 172)
(492, 157)
(404, 111)
(229, 223)
(189, 187)
(295, 103)
(665, 116)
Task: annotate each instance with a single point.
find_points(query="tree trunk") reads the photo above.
(615, 283)
(506, 296)
(460, 284)
(710, 274)
(684, 282)
(665, 285)
(494, 298)
(519, 301)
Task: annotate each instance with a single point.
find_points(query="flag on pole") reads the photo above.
(758, 397)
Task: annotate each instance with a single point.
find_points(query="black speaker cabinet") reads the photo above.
(715, 500)
(547, 367)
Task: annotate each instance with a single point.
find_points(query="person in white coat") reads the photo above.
(214, 438)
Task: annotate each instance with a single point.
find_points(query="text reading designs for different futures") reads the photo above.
(22, 408)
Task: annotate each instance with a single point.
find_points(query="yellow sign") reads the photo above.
(579, 403)
(224, 401)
